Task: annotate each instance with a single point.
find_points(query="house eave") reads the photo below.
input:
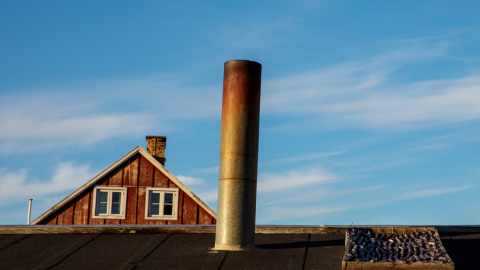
(259, 229)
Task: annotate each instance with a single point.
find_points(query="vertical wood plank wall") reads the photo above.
(136, 174)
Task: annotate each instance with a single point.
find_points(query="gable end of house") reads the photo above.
(137, 189)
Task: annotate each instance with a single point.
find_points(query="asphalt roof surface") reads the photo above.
(193, 251)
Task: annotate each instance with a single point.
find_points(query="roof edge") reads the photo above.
(259, 229)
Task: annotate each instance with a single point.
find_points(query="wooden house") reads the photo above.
(137, 189)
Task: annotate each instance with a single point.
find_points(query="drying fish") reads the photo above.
(368, 246)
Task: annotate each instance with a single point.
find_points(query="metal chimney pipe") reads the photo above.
(237, 188)
(29, 210)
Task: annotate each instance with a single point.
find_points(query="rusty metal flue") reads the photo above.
(237, 188)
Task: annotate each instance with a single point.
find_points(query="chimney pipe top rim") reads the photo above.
(242, 60)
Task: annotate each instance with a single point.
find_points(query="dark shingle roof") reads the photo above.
(104, 247)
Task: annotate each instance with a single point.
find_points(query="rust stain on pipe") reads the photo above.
(238, 155)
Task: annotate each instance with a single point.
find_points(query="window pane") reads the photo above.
(168, 197)
(101, 208)
(102, 196)
(116, 197)
(115, 208)
(154, 209)
(167, 210)
(154, 197)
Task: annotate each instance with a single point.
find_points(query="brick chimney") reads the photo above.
(156, 147)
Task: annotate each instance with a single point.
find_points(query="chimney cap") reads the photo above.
(151, 136)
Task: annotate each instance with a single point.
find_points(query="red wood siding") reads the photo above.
(204, 217)
(51, 221)
(160, 180)
(146, 173)
(110, 221)
(136, 174)
(96, 221)
(117, 178)
(103, 182)
(82, 210)
(189, 210)
(142, 191)
(66, 216)
(130, 175)
(131, 214)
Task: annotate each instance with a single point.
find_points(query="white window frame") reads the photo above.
(109, 215)
(162, 192)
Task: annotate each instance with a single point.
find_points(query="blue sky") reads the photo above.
(369, 113)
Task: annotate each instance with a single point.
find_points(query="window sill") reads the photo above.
(161, 218)
(109, 217)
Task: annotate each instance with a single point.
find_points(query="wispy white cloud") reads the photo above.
(437, 146)
(213, 169)
(377, 200)
(447, 101)
(88, 113)
(309, 156)
(294, 179)
(365, 94)
(316, 197)
(320, 194)
(190, 181)
(360, 94)
(432, 192)
(308, 209)
(79, 129)
(300, 212)
(209, 196)
(18, 186)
